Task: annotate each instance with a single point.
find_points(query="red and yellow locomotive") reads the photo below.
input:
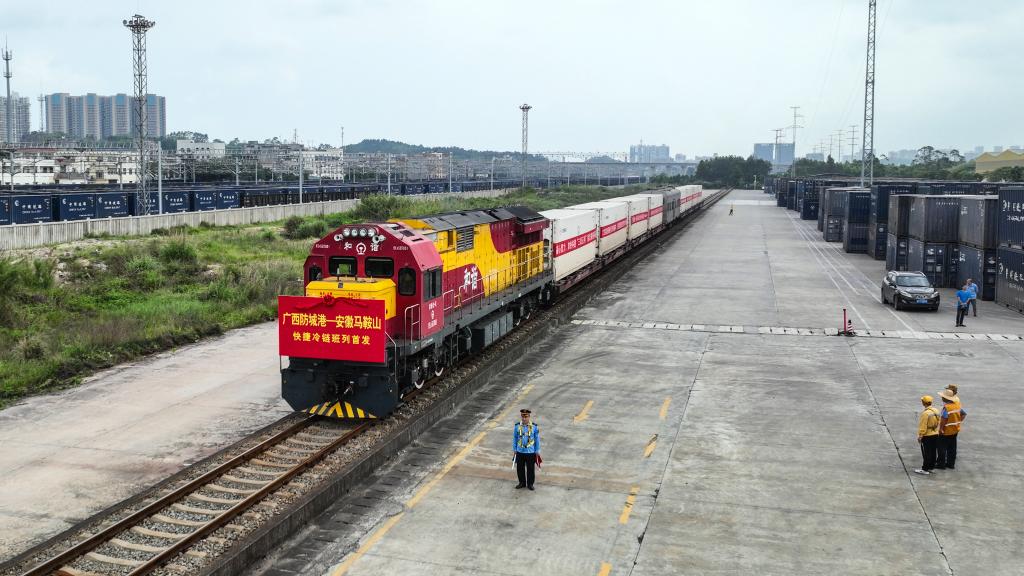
(388, 305)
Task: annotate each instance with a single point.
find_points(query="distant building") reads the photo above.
(200, 150)
(20, 116)
(819, 156)
(680, 157)
(93, 116)
(764, 151)
(784, 155)
(990, 161)
(115, 115)
(648, 153)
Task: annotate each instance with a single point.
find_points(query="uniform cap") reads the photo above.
(926, 399)
(525, 411)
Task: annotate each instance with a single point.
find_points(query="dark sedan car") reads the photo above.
(909, 290)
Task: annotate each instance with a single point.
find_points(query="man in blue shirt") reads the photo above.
(526, 444)
(973, 289)
(963, 298)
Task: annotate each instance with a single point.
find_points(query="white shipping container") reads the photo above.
(637, 215)
(612, 220)
(689, 196)
(655, 207)
(572, 239)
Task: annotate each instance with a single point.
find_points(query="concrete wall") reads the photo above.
(16, 236)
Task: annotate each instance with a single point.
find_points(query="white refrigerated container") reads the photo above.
(655, 207)
(637, 225)
(572, 239)
(612, 221)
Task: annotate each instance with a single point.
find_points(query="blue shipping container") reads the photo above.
(30, 209)
(5, 210)
(227, 199)
(981, 266)
(176, 201)
(1010, 278)
(113, 204)
(1011, 216)
(202, 200)
(74, 207)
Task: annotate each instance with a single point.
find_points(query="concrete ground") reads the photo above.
(69, 455)
(697, 419)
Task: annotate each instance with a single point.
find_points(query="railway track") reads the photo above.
(153, 535)
(170, 528)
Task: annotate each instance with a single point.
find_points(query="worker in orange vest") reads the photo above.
(951, 418)
(928, 435)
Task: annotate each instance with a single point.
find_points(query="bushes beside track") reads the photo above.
(70, 310)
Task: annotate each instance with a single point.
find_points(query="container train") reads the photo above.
(388, 305)
(32, 205)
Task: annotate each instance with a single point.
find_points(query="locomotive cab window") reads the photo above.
(431, 284)
(379, 267)
(407, 282)
(315, 273)
(341, 266)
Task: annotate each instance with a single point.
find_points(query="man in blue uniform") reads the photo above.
(963, 298)
(526, 444)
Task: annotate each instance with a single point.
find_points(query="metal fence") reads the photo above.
(18, 236)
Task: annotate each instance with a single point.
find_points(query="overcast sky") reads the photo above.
(703, 77)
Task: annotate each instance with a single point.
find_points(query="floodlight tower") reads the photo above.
(9, 137)
(867, 152)
(42, 114)
(526, 114)
(139, 26)
(796, 116)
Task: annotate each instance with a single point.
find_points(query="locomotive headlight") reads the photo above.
(362, 232)
(345, 232)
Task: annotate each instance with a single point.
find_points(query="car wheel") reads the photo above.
(895, 302)
(884, 301)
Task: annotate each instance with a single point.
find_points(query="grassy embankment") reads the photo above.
(95, 304)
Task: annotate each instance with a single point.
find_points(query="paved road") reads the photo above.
(675, 444)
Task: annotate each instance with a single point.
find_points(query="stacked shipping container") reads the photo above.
(1010, 254)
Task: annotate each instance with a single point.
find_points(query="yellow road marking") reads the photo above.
(651, 445)
(583, 413)
(452, 462)
(444, 471)
(370, 542)
(664, 408)
(630, 500)
(606, 569)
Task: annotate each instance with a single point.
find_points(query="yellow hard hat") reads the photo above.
(926, 399)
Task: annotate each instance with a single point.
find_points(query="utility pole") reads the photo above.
(867, 151)
(342, 153)
(775, 150)
(389, 174)
(492, 173)
(853, 140)
(9, 137)
(526, 113)
(160, 176)
(300, 175)
(42, 116)
(139, 26)
(795, 125)
(450, 156)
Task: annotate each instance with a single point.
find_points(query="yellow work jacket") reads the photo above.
(928, 424)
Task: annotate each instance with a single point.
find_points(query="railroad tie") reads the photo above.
(135, 546)
(228, 490)
(111, 560)
(194, 510)
(259, 462)
(248, 481)
(157, 533)
(212, 500)
(178, 521)
(69, 571)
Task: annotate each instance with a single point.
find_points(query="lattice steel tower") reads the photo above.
(139, 26)
(9, 137)
(867, 163)
(526, 122)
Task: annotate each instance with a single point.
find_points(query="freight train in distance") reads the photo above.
(389, 305)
